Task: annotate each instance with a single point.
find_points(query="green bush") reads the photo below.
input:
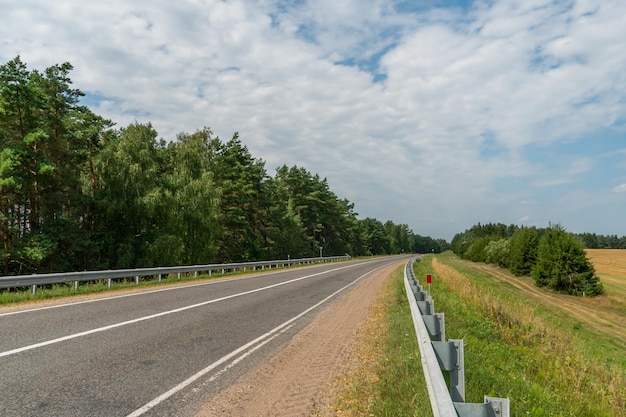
(497, 252)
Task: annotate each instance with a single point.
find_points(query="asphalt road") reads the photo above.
(161, 352)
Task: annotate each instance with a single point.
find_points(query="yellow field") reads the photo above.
(609, 262)
(610, 265)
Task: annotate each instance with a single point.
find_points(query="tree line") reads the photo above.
(595, 241)
(553, 257)
(79, 194)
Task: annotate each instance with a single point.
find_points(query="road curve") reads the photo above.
(162, 352)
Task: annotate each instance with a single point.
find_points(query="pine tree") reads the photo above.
(562, 265)
(45, 142)
(523, 251)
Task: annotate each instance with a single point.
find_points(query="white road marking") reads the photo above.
(153, 316)
(259, 341)
(113, 297)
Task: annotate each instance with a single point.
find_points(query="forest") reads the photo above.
(77, 193)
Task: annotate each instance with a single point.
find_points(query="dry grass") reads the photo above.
(358, 390)
(537, 319)
(388, 380)
(548, 341)
(514, 320)
(605, 314)
(610, 265)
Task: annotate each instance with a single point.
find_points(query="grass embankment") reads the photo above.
(551, 354)
(389, 380)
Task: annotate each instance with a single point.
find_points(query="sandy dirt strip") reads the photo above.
(301, 380)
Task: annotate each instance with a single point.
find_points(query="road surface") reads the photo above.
(162, 352)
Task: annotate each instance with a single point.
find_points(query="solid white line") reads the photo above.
(236, 352)
(164, 313)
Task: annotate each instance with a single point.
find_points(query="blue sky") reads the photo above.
(438, 114)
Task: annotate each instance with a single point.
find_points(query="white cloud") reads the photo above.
(620, 188)
(464, 97)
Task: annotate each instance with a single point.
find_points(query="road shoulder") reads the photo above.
(303, 378)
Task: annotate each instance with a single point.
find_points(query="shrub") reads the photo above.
(497, 252)
(476, 252)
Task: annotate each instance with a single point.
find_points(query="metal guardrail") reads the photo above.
(440, 355)
(62, 277)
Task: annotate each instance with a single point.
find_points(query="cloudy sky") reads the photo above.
(435, 113)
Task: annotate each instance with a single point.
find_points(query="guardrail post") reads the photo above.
(34, 289)
(450, 357)
(75, 285)
(419, 294)
(426, 307)
(136, 279)
(457, 374)
(436, 326)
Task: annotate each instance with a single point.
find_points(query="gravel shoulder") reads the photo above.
(302, 379)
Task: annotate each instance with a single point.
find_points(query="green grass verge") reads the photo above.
(402, 388)
(389, 380)
(45, 292)
(522, 351)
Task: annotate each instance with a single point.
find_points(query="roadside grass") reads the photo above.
(546, 362)
(46, 292)
(389, 380)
